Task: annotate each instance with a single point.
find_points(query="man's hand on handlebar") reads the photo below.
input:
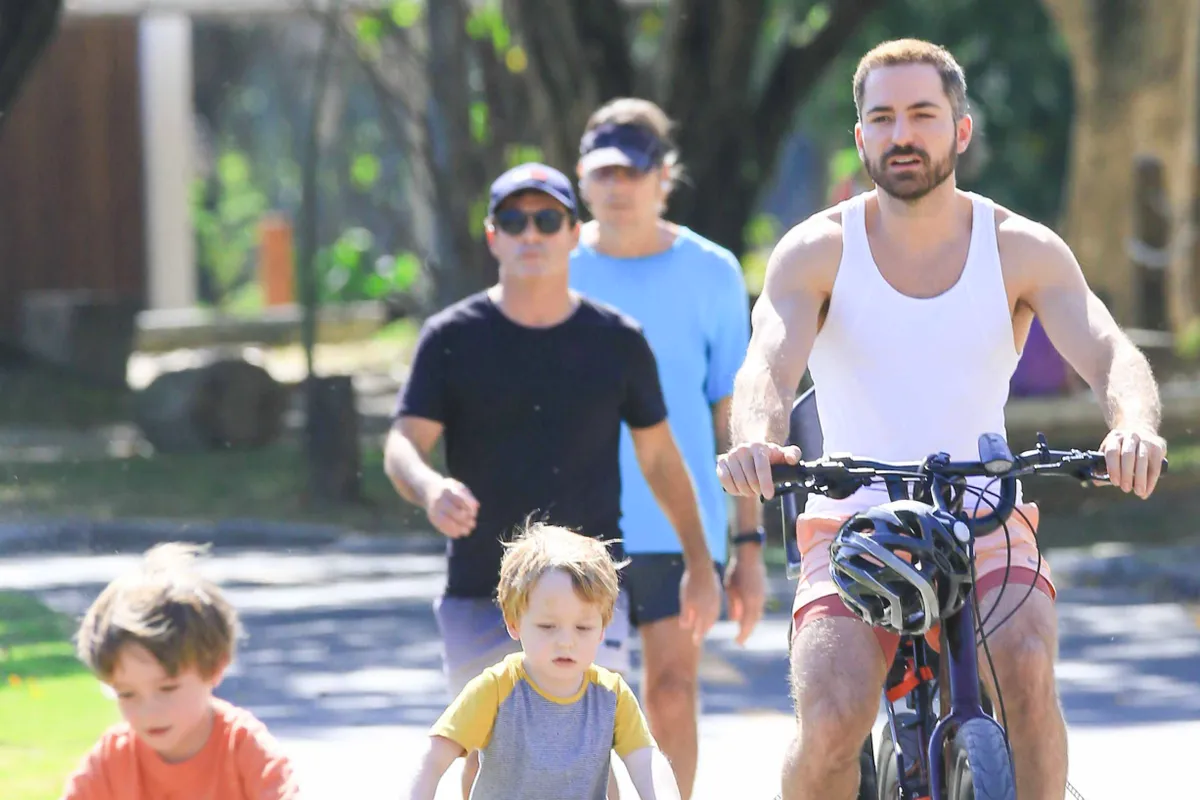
(745, 471)
(1134, 458)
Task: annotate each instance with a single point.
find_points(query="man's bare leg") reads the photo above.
(670, 695)
(837, 673)
(1024, 650)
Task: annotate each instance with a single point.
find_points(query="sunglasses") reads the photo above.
(513, 221)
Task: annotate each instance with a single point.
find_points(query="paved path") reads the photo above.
(342, 662)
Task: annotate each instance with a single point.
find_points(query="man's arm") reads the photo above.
(1084, 332)
(668, 477)
(745, 572)
(449, 505)
(784, 326)
(785, 322)
(409, 443)
(747, 510)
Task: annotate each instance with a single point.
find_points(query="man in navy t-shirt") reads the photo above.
(528, 384)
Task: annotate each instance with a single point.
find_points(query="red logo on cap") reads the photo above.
(537, 174)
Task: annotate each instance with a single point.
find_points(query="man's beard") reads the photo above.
(910, 186)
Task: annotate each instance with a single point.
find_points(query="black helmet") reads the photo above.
(902, 565)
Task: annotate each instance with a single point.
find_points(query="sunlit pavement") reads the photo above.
(342, 662)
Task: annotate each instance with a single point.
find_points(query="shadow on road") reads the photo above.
(337, 639)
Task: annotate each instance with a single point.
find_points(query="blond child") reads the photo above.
(161, 638)
(547, 719)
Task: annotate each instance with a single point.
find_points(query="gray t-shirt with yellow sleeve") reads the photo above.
(538, 747)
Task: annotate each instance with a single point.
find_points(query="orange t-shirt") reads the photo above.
(240, 761)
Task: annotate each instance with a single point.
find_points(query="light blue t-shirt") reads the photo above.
(692, 303)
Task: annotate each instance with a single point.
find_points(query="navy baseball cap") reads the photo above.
(532, 178)
(625, 145)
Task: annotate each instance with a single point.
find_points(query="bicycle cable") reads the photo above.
(982, 494)
(983, 634)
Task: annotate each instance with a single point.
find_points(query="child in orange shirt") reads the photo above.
(162, 638)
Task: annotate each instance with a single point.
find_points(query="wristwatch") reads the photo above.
(757, 536)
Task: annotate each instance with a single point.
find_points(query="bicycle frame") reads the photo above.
(961, 669)
(959, 658)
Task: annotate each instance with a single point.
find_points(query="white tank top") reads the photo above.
(898, 378)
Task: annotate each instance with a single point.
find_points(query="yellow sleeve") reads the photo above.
(630, 731)
(469, 719)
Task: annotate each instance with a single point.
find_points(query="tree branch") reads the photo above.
(390, 96)
(507, 98)
(578, 58)
(799, 69)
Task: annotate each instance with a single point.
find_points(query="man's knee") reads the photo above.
(834, 718)
(670, 692)
(1023, 651)
(837, 673)
(672, 670)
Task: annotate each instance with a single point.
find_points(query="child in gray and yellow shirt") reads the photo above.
(546, 720)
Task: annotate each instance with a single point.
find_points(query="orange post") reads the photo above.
(275, 261)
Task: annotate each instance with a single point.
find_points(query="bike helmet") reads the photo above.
(902, 565)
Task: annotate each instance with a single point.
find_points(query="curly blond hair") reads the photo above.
(540, 548)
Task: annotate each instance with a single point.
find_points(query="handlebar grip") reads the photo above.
(786, 473)
(1165, 464)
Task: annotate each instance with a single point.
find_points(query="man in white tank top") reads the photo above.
(910, 305)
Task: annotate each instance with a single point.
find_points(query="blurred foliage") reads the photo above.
(375, 239)
(1187, 343)
(253, 87)
(352, 268)
(225, 213)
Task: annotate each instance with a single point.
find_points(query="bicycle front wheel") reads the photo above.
(980, 768)
(886, 767)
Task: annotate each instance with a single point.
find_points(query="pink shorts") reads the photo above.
(816, 596)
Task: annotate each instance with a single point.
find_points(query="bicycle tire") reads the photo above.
(888, 777)
(866, 766)
(980, 768)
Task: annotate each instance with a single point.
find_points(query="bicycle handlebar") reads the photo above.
(840, 475)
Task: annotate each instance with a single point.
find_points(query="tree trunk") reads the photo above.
(461, 171)
(335, 465)
(1135, 93)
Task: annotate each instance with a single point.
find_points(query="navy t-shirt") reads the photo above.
(531, 421)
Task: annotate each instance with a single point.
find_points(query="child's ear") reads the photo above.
(512, 630)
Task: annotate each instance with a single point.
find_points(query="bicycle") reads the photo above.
(961, 753)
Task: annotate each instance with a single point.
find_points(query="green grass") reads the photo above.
(267, 483)
(42, 396)
(52, 709)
